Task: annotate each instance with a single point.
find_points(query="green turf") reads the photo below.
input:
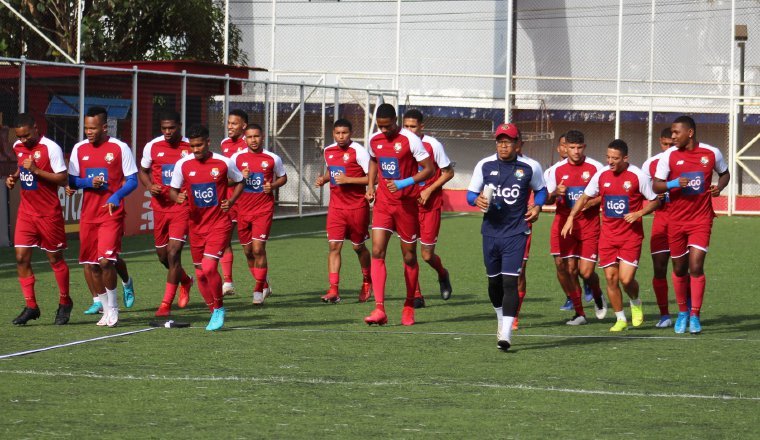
(298, 368)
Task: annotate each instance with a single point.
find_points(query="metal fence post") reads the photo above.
(226, 98)
(22, 87)
(134, 112)
(82, 76)
(301, 134)
(183, 102)
(267, 122)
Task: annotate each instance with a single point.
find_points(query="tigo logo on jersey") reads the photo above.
(334, 171)
(204, 195)
(389, 168)
(704, 161)
(510, 195)
(695, 185)
(615, 206)
(94, 172)
(519, 173)
(627, 185)
(572, 195)
(214, 172)
(27, 179)
(166, 173)
(254, 183)
(109, 157)
(585, 176)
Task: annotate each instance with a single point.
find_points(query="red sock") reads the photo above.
(660, 286)
(184, 278)
(697, 294)
(27, 288)
(521, 296)
(411, 277)
(378, 281)
(436, 264)
(227, 259)
(213, 280)
(577, 303)
(61, 272)
(334, 278)
(260, 275)
(204, 289)
(169, 292)
(366, 274)
(681, 290)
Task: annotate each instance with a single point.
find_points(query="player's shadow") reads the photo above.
(561, 343)
(731, 323)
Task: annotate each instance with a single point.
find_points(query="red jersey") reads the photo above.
(160, 157)
(440, 160)
(114, 161)
(230, 147)
(575, 178)
(353, 161)
(397, 159)
(621, 193)
(206, 183)
(263, 167)
(649, 168)
(692, 204)
(39, 197)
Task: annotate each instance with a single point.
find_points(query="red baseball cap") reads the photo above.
(510, 130)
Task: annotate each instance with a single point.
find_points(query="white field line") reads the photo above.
(274, 380)
(69, 344)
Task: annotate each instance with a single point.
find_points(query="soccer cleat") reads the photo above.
(498, 330)
(258, 298)
(228, 289)
(514, 324)
(366, 292)
(407, 315)
(681, 321)
(588, 295)
(503, 344)
(165, 309)
(184, 293)
(129, 293)
(419, 302)
(568, 305)
(695, 327)
(577, 320)
(331, 297)
(376, 317)
(63, 314)
(637, 315)
(26, 315)
(600, 307)
(104, 319)
(267, 290)
(445, 284)
(95, 308)
(664, 322)
(217, 320)
(113, 317)
(619, 326)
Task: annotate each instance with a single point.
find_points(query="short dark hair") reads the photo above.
(575, 137)
(563, 135)
(620, 145)
(97, 111)
(240, 113)
(687, 121)
(343, 123)
(254, 126)
(385, 111)
(414, 114)
(169, 115)
(666, 132)
(197, 131)
(24, 120)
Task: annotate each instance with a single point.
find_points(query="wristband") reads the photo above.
(403, 183)
(673, 184)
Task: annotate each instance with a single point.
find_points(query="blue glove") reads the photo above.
(129, 185)
(403, 183)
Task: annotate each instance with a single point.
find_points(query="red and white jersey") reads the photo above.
(649, 168)
(230, 147)
(114, 161)
(440, 160)
(621, 193)
(160, 157)
(397, 159)
(575, 178)
(39, 197)
(352, 161)
(693, 203)
(206, 186)
(263, 167)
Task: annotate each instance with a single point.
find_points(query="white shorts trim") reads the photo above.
(183, 240)
(246, 244)
(259, 239)
(161, 247)
(53, 250)
(360, 243)
(210, 256)
(661, 252)
(383, 229)
(409, 242)
(504, 273)
(679, 256)
(630, 263)
(589, 259)
(697, 247)
(26, 245)
(429, 244)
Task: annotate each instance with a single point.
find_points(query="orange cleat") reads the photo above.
(164, 309)
(366, 292)
(332, 296)
(376, 317)
(184, 293)
(407, 315)
(514, 324)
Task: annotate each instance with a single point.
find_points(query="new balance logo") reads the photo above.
(607, 184)
(263, 236)
(192, 173)
(680, 162)
(161, 154)
(494, 173)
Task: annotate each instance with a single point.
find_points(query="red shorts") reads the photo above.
(658, 241)
(626, 248)
(47, 233)
(100, 240)
(401, 219)
(430, 225)
(170, 226)
(351, 224)
(681, 236)
(582, 243)
(526, 255)
(210, 244)
(254, 226)
(233, 213)
(555, 235)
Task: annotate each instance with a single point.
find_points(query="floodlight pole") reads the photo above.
(80, 6)
(619, 67)
(740, 36)
(509, 63)
(226, 31)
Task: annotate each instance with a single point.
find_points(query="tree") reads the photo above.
(121, 30)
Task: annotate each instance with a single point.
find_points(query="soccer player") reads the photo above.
(658, 240)
(685, 171)
(104, 168)
(577, 251)
(396, 155)
(263, 173)
(169, 219)
(622, 188)
(237, 121)
(41, 170)
(202, 179)
(348, 212)
(505, 222)
(431, 202)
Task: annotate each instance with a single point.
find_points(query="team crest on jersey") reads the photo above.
(214, 172)
(37, 154)
(627, 185)
(109, 157)
(585, 176)
(345, 157)
(184, 153)
(704, 161)
(397, 147)
(519, 173)
(264, 164)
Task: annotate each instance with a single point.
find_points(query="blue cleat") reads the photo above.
(217, 320)
(681, 321)
(588, 295)
(694, 326)
(129, 293)
(568, 305)
(95, 308)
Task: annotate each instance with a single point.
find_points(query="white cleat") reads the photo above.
(601, 312)
(267, 290)
(664, 322)
(104, 318)
(113, 317)
(228, 289)
(258, 298)
(577, 320)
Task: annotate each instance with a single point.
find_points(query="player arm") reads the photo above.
(447, 174)
(593, 201)
(279, 181)
(577, 208)
(371, 179)
(59, 179)
(723, 179)
(236, 192)
(130, 184)
(145, 177)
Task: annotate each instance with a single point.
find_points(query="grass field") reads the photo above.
(297, 368)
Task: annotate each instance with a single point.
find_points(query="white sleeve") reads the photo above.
(645, 167)
(645, 186)
(128, 166)
(592, 189)
(362, 157)
(537, 181)
(417, 149)
(663, 166)
(720, 163)
(476, 182)
(551, 179)
(439, 154)
(279, 168)
(233, 173)
(147, 156)
(177, 178)
(74, 161)
(55, 154)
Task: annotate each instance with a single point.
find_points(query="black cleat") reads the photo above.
(445, 284)
(503, 344)
(419, 302)
(63, 314)
(26, 315)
